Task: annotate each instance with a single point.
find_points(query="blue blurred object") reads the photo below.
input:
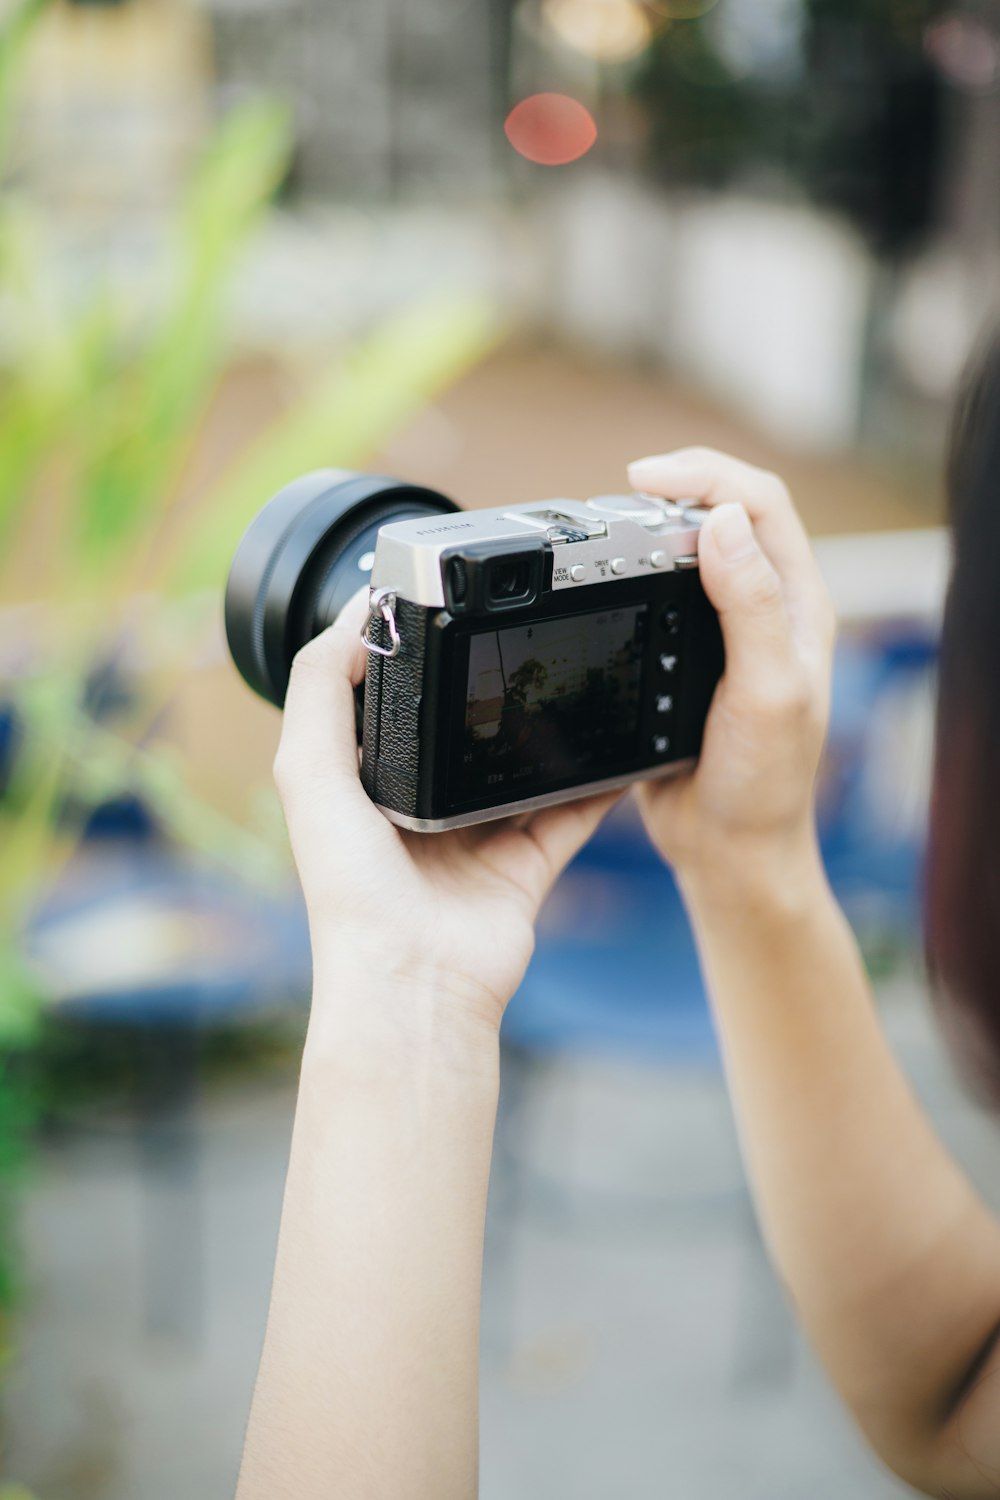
(875, 787)
(10, 740)
(136, 930)
(615, 968)
(125, 817)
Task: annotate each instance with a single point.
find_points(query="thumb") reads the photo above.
(561, 831)
(746, 591)
(318, 733)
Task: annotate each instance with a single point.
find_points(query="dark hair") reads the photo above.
(963, 871)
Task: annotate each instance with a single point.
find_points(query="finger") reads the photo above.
(746, 591)
(659, 793)
(319, 729)
(718, 479)
(560, 832)
(714, 478)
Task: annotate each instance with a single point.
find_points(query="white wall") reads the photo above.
(764, 305)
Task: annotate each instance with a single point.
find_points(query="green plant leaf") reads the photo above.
(352, 410)
(20, 1004)
(155, 401)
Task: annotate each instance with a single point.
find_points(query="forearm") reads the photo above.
(368, 1384)
(891, 1259)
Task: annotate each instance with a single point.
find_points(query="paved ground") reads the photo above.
(634, 1341)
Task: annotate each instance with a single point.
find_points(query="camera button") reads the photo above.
(618, 566)
(664, 703)
(683, 563)
(668, 664)
(671, 619)
(578, 572)
(661, 744)
(658, 559)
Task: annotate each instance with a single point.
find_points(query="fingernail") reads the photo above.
(732, 532)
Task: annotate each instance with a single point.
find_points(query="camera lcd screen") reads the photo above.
(552, 702)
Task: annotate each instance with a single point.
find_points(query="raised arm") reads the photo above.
(368, 1385)
(891, 1260)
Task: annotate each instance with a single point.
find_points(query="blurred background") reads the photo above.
(244, 238)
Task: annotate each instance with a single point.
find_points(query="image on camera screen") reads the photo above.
(553, 700)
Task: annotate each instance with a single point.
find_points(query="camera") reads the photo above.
(518, 656)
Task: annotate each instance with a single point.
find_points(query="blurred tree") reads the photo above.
(706, 127)
(872, 132)
(529, 677)
(838, 100)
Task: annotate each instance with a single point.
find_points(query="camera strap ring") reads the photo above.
(382, 604)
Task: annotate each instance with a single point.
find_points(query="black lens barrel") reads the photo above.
(303, 556)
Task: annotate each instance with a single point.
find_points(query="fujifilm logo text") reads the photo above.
(436, 530)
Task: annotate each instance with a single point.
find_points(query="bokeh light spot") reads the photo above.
(608, 30)
(966, 51)
(551, 129)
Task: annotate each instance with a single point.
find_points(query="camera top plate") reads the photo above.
(609, 537)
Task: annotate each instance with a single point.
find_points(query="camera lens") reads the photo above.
(303, 557)
(510, 578)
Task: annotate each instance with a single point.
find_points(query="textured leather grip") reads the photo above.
(390, 757)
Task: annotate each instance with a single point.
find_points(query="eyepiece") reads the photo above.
(510, 580)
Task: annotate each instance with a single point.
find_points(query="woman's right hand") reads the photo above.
(444, 917)
(746, 811)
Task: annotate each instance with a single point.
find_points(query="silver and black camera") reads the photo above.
(518, 657)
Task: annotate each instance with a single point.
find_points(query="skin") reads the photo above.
(368, 1381)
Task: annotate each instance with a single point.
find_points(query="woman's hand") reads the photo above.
(891, 1260)
(748, 807)
(400, 912)
(368, 1379)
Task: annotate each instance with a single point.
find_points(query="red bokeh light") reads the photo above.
(966, 51)
(551, 129)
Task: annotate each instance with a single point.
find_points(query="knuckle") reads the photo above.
(778, 492)
(282, 784)
(281, 769)
(785, 699)
(798, 696)
(774, 498)
(309, 658)
(700, 456)
(311, 663)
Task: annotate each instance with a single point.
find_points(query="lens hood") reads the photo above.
(306, 553)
